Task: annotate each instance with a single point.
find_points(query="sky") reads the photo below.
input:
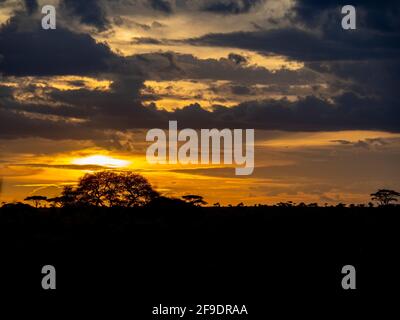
(324, 101)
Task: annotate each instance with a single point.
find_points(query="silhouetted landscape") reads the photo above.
(167, 249)
(176, 153)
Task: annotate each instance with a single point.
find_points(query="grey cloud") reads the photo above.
(230, 6)
(59, 52)
(90, 12)
(366, 144)
(161, 5)
(241, 90)
(382, 16)
(365, 77)
(121, 109)
(31, 5)
(306, 45)
(173, 66)
(17, 125)
(146, 40)
(343, 142)
(237, 58)
(64, 52)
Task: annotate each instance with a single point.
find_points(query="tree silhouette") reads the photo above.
(194, 200)
(36, 200)
(55, 202)
(110, 189)
(287, 204)
(385, 197)
(68, 196)
(370, 205)
(136, 189)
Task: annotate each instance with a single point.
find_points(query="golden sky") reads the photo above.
(309, 167)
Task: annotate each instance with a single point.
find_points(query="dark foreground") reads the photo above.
(132, 260)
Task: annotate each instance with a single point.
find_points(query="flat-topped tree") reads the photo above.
(194, 200)
(385, 197)
(110, 189)
(36, 200)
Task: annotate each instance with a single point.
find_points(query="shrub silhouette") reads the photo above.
(194, 199)
(110, 189)
(385, 197)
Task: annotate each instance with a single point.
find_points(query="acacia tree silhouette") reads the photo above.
(36, 200)
(385, 196)
(194, 200)
(110, 189)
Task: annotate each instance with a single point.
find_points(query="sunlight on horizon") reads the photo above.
(101, 160)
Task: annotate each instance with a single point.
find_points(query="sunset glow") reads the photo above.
(100, 160)
(82, 97)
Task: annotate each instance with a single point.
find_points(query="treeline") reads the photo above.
(128, 189)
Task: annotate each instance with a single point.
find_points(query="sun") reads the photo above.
(100, 160)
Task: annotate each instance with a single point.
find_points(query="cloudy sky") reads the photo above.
(324, 101)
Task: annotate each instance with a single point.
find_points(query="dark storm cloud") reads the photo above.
(31, 6)
(241, 90)
(372, 14)
(367, 77)
(369, 102)
(15, 125)
(308, 46)
(117, 110)
(237, 58)
(377, 35)
(90, 12)
(146, 40)
(364, 64)
(161, 5)
(33, 51)
(345, 112)
(173, 66)
(230, 6)
(121, 108)
(378, 30)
